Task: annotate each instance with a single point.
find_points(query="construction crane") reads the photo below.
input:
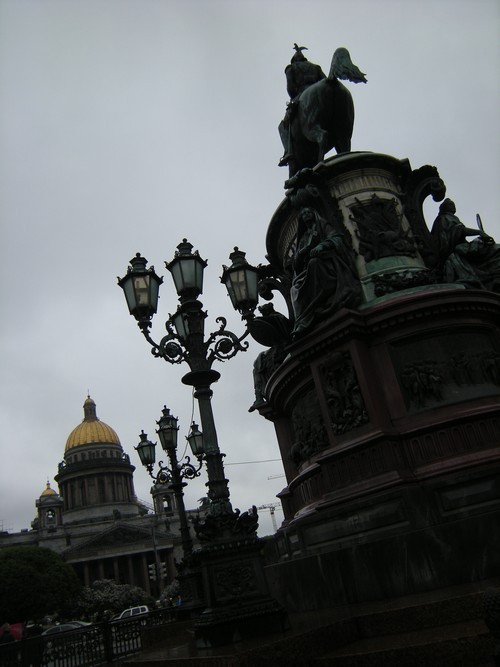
(271, 507)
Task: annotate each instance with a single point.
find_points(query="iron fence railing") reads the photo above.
(89, 646)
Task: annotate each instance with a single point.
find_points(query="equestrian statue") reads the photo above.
(320, 113)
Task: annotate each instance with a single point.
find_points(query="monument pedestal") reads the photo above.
(388, 414)
(392, 449)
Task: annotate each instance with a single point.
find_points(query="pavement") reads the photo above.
(439, 628)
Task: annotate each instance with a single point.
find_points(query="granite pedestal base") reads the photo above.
(238, 603)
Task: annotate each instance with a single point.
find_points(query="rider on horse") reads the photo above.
(300, 74)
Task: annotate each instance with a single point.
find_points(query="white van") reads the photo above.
(132, 613)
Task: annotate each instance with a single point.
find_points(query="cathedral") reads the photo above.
(96, 522)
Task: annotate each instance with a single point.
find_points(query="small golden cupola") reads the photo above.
(48, 491)
(49, 509)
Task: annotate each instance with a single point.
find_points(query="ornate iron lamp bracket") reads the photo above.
(223, 344)
(165, 475)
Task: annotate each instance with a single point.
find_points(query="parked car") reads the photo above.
(132, 612)
(81, 624)
(63, 627)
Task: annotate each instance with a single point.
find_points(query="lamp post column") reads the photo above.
(159, 578)
(177, 486)
(218, 489)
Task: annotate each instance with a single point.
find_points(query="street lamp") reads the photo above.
(141, 286)
(187, 271)
(229, 564)
(241, 280)
(185, 342)
(176, 472)
(195, 440)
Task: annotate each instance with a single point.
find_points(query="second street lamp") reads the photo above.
(176, 472)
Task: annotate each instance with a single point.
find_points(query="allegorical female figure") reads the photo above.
(474, 264)
(324, 275)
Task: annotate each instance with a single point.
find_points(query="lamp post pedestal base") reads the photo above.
(238, 603)
(191, 587)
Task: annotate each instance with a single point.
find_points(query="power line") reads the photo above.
(244, 463)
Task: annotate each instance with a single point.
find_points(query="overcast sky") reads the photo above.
(126, 125)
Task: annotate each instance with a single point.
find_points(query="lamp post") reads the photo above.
(185, 342)
(236, 598)
(174, 474)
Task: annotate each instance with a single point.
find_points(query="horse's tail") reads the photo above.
(342, 67)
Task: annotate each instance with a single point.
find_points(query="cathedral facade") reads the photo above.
(96, 522)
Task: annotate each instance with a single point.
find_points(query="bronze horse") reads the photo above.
(321, 116)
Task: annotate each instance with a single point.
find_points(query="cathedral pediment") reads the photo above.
(120, 539)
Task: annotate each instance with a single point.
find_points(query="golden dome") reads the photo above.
(48, 491)
(91, 430)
